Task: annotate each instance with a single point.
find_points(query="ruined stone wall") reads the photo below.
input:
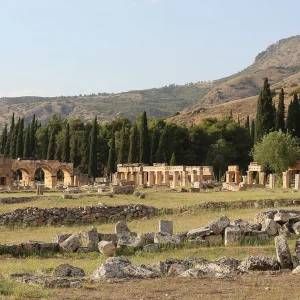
(12, 200)
(34, 216)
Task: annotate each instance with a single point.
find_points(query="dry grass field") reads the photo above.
(253, 286)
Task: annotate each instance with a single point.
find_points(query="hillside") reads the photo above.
(280, 62)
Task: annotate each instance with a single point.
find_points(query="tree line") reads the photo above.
(96, 149)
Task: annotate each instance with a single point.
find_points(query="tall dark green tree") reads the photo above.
(247, 123)
(45, 144)
(74, 152)
(280, 125)
(265, 114)
(84, 150)
(20, 139)
(133, 144)
(92, 169)
(173, 161)
(111, 163)
(14, 138)
(51, 146)
(144, 140)
(32, 135)
(121, 154)
(293, 117)
(154, 145)
(4, 137)
(66, 145)
(26, 152)
(252, 131)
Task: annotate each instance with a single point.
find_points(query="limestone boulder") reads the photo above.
(233, 236)
(147, 238)
(89, 238)
(163, 238)
(107, 248)
(110, 237)
(165, 226)
(202, 231)
(111, 268)
(158, 268)
(121, 228)
(151, 248)
(283, 252)
(270, 227)
(198, 242)
(281, 217)
(59, 238)
(259, 263)
(217, 226)
(296, 271)
(296, 227)
(214, 240)
(67, 270)
(177, 269)
(71, 244)
(297, 251)
(141, 272)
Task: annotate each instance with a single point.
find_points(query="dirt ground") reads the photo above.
(255, 286)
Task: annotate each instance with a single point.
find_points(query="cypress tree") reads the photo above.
(154, 145)
(13, 142)
(12, 123)
(20, 139)
(252, 129)
(238, 120)
(121, 154)
(173, 161)
(85, 151)
(163, 155)
(132, 156)
(247, 123)
(280, 112)
(265, 117)
(92, 167)
(111, 163)
(45, 143)
(74, 152)
(32, 135)
(66, 145)
(144, 140)
(4, 137)
(293, 117)
(51, 146)
(26, 152)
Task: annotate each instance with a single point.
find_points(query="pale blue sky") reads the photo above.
(68, 47)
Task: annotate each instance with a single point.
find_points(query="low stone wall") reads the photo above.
(13, 200)
(34, 216)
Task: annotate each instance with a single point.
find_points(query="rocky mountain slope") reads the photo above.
(280, 62)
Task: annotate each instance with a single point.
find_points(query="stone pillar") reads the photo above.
(159, 177)
(272, 181)
(166, 178)
(262, 178)
(184, 178)
(237, 177)
(250, 177)
(286, 182)
(175, 178)
(200, 175)
(245, 179)
(151, 178)
(193, 177)
(297, 181)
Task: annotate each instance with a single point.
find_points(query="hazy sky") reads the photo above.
(68, 47)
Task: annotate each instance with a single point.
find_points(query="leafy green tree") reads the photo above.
(92, 169)
(111, 163)
(133, 145)
(277, 151)
(280, 124)
(51, 146)
(66, 145)
(144, 140)
(265, 115)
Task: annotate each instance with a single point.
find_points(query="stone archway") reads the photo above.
(68, 175)
(25, 176)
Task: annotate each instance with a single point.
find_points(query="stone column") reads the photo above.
(297, 181)
(286, 183)
(193, 177)
(175, 178)
(237, 177)
(166, 178)
(262, 178)
(200, 175)
(245, 179)
(228, 177)
(250, 177)
(272, 181)
(184, 178)
(159, 177)
(151, 178)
